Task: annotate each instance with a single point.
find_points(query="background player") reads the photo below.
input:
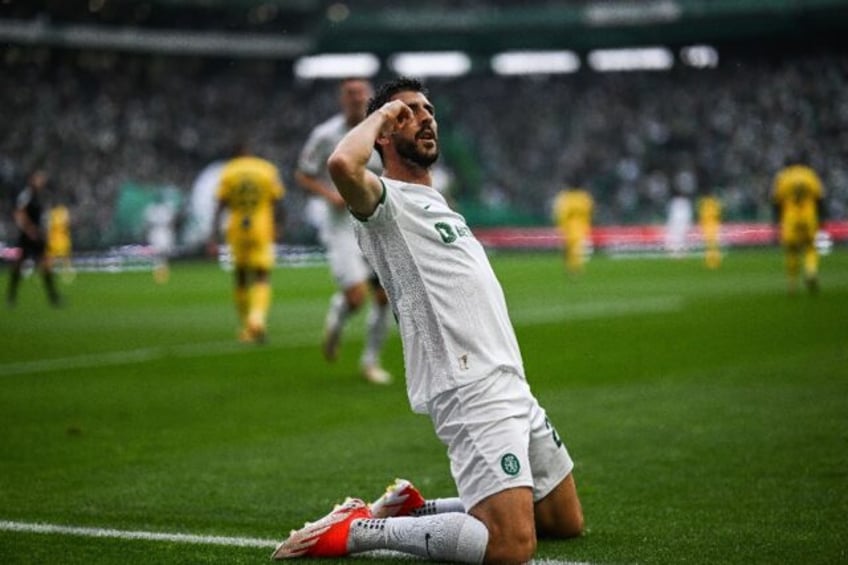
(350, 270)
(709, 219)
(250, 189)
(573, 208)
(678, 223)
(798, 199)
(160, 217)
(59, 242)
(32, 242)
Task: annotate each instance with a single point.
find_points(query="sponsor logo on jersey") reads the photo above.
(450, 233)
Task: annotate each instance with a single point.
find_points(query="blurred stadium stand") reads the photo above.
(117, 93)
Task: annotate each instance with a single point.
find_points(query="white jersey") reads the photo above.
(313, 161)
(449, 305)
(160, 221)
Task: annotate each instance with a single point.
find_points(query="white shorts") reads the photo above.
(498, 437)
(347, 263)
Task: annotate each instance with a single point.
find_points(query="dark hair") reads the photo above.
(388, 89)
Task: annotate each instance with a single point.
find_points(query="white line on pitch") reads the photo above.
(31, 528)
(143, 355)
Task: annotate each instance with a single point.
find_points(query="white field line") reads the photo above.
(143, 355)
(133, 535)
(31, 528)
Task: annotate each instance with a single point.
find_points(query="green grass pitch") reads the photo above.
(707, 412)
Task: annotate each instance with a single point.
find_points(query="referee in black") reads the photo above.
(32, 238)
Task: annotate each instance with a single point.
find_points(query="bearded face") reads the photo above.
(422, 150)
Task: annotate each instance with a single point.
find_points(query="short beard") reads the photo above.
(408, 150)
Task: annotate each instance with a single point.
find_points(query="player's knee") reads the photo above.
(571, 527)
(512, 548)
(355, 296)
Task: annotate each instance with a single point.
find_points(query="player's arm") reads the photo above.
(26, 225)
(316, 186)
(776, 201)
(212, 243)
(361, 188)
(279, 211)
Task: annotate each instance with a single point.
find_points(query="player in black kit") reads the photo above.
(32, 239)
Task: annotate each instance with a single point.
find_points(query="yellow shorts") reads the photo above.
(59, 247)
(252, 253)
(798, 234)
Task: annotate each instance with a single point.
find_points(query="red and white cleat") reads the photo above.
(400, 499)
(327, 537)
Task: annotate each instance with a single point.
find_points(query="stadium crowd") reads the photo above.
(97, 120)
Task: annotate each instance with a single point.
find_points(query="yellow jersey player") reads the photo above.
(250, 189)
(798, 196)
(59, 241)
(573, 210)
(709, 218)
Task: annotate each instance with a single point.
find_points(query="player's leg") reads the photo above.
(349, 528)
(508, 517)
(487, 427)
(161, 270)
(455, 536)
(811, 266)
(343, 304)
(260, 304)
(351, 276)
(260, 261)
(376, 330)
(712, 252)
(557, 509)
(14, 280)
(574, 255)
(792, 262)
(241, 297)
(559, 514)
(49, 281)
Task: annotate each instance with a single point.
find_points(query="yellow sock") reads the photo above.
(811, 262)
(260, 303)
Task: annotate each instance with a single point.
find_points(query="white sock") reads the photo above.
(453, 536)
(376, 325)
(439, 506)
(337, 313)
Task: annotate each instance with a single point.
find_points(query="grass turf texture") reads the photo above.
(707, 412)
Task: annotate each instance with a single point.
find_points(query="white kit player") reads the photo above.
(160, 216)
(463, 365)
(351, 272)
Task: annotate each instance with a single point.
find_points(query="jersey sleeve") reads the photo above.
(314, 155)
(384, 212)
(23, 200)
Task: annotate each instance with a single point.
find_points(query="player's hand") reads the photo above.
(212, 248)
(335, 199)
(396, 113)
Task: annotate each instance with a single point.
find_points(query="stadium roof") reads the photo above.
(291, 28)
